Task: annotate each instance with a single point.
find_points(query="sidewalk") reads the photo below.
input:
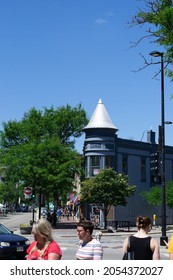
(65, 224)
(72, 224)
(66, 235)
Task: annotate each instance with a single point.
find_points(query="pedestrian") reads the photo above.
(72, 214)
(68, 214)
(54, 218)
(62, 213)
(89, 248)
(59, 214)
(49, 217)
(43, 247)
(169, 246)
(142, 245)
(82, 218)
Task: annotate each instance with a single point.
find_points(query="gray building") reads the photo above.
(103, 148)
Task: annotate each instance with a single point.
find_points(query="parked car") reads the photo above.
(22, 208)
(12, 246)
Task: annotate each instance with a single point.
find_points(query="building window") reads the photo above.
(95, 165)
(87, 146)
(95, 146)
(109, 161)
(143, 169)
(86, 169)
(109, 146)
(125, 165)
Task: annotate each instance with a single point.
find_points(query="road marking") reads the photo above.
(64, 249)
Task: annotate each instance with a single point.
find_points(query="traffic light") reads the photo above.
(33, 196)
(155, 168)
(154, 163)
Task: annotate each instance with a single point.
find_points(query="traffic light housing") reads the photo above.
(155, 167)
(154, 163)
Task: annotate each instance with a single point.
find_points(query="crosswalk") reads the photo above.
(68, 240)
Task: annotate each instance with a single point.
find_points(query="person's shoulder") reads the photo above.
(171, 241)
(95, 241)
(33, 243)
(126, 239)
(53, 243)
(133, 235)
(53, 246)
(153, 241)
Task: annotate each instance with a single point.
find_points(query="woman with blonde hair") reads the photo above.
(43, 247)
(141, 244)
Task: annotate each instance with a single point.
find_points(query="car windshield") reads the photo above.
(4, 230)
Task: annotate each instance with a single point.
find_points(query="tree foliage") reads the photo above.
(108, 189)
(157, 17)
(154, 195)
(39, 149)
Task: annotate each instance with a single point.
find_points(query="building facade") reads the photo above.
(103, 148)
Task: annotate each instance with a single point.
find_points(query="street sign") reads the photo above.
(27, 192)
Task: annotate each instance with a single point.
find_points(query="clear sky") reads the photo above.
(58, 52)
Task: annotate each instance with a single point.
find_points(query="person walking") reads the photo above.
(43, 247)
(169, 247)
(142, 245)
(89, 248)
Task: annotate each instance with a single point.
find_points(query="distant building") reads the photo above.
(103, 148)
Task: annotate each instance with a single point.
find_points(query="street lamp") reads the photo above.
(163, 237)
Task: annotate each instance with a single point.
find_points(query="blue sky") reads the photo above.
(58, 52)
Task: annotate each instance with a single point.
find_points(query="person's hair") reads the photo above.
(87, 225)
(43, 228)
(143, 222)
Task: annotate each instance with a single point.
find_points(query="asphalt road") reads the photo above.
(13, 221)
(68, 240)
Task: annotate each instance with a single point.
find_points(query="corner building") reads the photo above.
(103, 148)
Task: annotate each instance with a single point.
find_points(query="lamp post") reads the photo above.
(163, 237)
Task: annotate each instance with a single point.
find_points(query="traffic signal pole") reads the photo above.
(163, 237)
(162, 146)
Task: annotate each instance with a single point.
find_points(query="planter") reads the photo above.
(25, 229)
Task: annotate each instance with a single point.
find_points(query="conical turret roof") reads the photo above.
(100, 118)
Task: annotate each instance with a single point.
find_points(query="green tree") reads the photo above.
(169, 192)
(154, 195)
(157, 17)
(108, 189)
(8, 193)
(39, 149)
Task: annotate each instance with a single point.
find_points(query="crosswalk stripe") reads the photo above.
(64, 248)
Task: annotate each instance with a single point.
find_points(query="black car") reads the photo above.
(22, 208)
(12, 246)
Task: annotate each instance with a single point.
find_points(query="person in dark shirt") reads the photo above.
(144, 246)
